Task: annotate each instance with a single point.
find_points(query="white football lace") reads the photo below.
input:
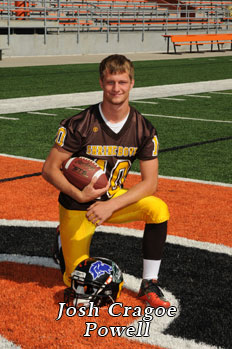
(93, 162)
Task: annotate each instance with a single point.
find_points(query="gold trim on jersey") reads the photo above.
(60, 137)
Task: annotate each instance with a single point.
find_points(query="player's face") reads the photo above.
(116, 87)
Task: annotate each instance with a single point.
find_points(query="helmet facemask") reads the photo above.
(96, 280)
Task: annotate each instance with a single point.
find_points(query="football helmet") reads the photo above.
(98, 280)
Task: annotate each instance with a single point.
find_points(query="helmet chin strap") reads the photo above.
(107, 282)
(83, 301)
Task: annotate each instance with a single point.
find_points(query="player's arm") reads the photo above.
(51, 173)
(101, 211)
(147, 186)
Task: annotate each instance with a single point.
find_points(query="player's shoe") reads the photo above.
(150, 292)
(57, 253)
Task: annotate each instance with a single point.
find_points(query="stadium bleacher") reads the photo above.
(105, 16)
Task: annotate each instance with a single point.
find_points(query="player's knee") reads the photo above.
(164, 212)
(158, 211)
(66, 280)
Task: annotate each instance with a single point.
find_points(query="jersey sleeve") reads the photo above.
(150, 146)
(68, 136)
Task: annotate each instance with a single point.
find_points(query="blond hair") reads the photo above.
(116, 64)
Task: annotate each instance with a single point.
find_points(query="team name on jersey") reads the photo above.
(111, 150)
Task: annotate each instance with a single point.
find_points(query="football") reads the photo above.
(79, 171)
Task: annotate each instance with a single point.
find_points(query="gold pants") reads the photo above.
(76, 231)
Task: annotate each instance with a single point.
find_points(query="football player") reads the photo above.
(113, 134)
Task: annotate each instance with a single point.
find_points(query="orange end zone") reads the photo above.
(31, 323)
(198, 211)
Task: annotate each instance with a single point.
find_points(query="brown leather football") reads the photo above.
(80, 170)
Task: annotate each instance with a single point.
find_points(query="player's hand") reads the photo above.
(89, 193)
(99, 212)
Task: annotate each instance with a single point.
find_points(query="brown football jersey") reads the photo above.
(86, 134)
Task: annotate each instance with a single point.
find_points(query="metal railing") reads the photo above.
(49, 16)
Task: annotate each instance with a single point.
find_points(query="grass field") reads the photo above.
(194, 134)
(48, 80)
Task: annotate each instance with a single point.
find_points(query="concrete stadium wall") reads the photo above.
(89, 43)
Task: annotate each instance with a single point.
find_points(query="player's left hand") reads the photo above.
(99, 212)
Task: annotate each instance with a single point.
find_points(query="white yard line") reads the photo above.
(145, 102)
(5, 118)
(73, 108)
(220, 184)
(18, 105)
(172, 99)
(182, 179)
(21, 157)
(222, 93)
(7, 344)
(198, 96)
(40, 113)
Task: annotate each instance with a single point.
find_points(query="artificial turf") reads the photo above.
(60, 79)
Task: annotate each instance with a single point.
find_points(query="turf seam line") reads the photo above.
(188, 118)
(195, 144)
(20, 177)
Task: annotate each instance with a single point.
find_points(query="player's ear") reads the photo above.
(132, 83)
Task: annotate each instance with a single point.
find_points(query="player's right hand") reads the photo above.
(89, 193)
